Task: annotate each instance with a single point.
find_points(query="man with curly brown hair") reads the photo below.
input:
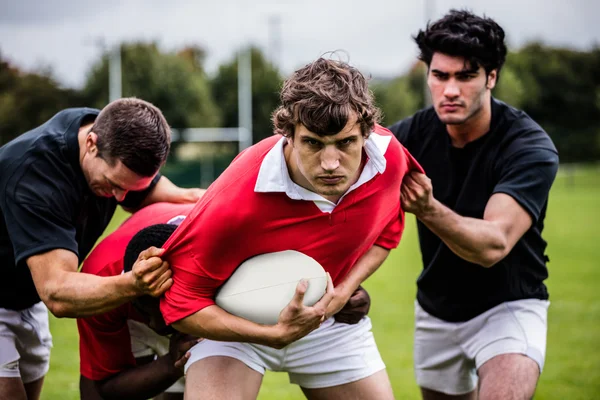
(327, 185)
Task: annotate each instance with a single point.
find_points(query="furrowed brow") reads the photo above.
(438, 72)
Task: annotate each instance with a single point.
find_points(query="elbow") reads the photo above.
(58, 308)
(494, 254)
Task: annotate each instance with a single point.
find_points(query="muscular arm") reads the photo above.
(68, 293)
(481, 241)
(215, 323)
(364, 267)
(141, 382)
(166, 191)
(295, 321)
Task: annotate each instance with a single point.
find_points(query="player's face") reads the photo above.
(327, 165)
(149, 308)
(107, 180)
(458, 90)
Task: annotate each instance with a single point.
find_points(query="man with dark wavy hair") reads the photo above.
(60, 184)
(481, 309)
(326, 185)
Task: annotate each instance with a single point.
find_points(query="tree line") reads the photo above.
(558, 87)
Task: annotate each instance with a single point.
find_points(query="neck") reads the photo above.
(473, 128)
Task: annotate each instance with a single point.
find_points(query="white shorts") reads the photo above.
(332, 355)
(145, 342)
(448, 354)
(25, 343)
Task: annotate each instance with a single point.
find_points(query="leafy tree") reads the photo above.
(266, 84)
(402, 96)
(174, 82)
(29, 99)
(510, 88)
(561, 89)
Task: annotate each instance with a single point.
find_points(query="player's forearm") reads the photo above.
(475, 240)
(215, 323)
(74, 294)
(142, 382)
(362, 269)
(166, 191)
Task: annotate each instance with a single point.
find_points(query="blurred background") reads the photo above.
(215, 69)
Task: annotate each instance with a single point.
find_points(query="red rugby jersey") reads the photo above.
(233, 222)
(104, 341)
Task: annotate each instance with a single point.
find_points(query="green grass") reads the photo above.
(573, 357)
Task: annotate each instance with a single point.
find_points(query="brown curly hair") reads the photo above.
(323, 96)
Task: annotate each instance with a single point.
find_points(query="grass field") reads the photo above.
(573, 358)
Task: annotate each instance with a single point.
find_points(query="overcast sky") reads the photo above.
(376, 34)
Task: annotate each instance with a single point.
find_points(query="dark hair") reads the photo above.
(463, 34)
(154, 235)
(136, 133)
(322, 96)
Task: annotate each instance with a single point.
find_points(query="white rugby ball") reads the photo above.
(263, 285)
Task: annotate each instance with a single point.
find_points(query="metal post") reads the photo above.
(275, 40)
(245, 98)
(114, 73)
(207, 171)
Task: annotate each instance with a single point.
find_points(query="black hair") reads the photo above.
(460, 33)
(154, 235)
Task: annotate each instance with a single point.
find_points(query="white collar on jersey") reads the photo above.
(273, 175)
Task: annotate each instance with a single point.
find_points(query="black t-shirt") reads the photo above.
(515, 157)
(46, 203)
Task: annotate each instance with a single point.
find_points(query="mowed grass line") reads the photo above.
(572, 368)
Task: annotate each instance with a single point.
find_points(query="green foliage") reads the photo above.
(28, 100)
(266, 84)
(402, 96)
(561, 89)
(510, 88)
(174, 82)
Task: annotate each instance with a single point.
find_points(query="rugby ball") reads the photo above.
(263, 285)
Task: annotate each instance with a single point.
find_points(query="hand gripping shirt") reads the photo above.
(104, 341)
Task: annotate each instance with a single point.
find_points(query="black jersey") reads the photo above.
(45, 202)
(516, 157)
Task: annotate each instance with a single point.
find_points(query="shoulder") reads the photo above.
(521, 135)
(415, 125)
(39, 163)
(386, 142)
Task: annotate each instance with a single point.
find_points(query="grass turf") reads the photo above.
(572, 368)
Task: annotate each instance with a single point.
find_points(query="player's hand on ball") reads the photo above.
(297, 320)
(179, 346)
(416, 193)
(356, 308)
(152, 275)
